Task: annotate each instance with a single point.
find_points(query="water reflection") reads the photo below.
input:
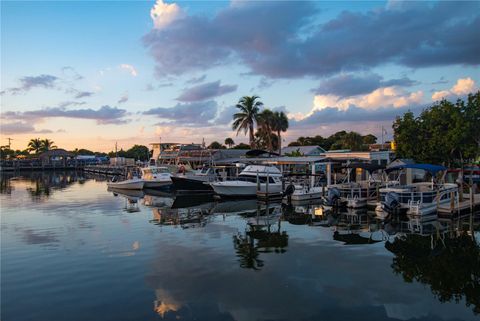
(448, 262)
(262, 235)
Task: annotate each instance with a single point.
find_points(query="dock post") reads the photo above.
(471, 199)
(258, 183)
(266, 185)
(452, 202)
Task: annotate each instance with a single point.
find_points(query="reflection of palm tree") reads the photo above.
(247, 252)
(451, 268)
(246, 118)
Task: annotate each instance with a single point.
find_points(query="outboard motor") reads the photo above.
(392, 202)
(289, 190)
(333, 195)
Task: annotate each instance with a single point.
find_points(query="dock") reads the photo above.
(108, 170)
(470, 203)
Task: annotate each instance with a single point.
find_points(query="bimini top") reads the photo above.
(426, 167)
(366, 166)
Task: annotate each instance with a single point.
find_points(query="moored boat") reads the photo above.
(133, 184)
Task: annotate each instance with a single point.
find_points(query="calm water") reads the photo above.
(71, 250)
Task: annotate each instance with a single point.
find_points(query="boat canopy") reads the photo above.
(426, 167)
(366, 166)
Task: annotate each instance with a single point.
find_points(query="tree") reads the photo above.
(215, 145)
(229, 142)
(242, 146)
(264, 133)
(353, 141)
(139, 152)
(35, 145)
(47, 145)
(445, 133)
(246, 118)
(369, 139)
(280, 124)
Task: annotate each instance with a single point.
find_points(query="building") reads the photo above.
(303, 150)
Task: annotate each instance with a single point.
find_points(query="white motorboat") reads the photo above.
(420, 199)
(133, 183)
(305, 192)
(156, 177)
(253, 179)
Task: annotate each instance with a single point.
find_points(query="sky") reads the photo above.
(87, 74)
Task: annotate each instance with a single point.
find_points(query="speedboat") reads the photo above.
(417, 199)
(197, 181)
(132, 183)
(253, 179)
(156, 177)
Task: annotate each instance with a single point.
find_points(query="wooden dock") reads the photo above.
(470, 203)
(108, 169)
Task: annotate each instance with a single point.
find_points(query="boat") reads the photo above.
(419, 198)
(253, 179)
(198, 181)
(356, 194)
(134, 183)
(305, 192)
(156, 177)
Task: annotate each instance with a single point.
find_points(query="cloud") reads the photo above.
(131, 69)
(70, 72)
(347, 85)
(29, 82)
(288, 40)
(103, 115)
(205, 91)
(163, 14)
(20, 127)
(381, 97)
(464, 86)
(71, 103)
(188, 114)
(196, 80)
(123, 99)
(83, 94)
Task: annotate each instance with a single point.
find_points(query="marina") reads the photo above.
(143, 242)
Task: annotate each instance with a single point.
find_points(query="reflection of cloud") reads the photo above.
(31, 236)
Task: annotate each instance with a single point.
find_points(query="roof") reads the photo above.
(55, 153)
(366, 166)
(258, 152)
(426, 167)
(305, 150)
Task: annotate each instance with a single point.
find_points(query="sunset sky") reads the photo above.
(89, 73)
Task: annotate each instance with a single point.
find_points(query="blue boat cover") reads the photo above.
(426, 167)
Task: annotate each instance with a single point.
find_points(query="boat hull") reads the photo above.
(243, 189)
(157, 184)
(128, 184)
(184, 184)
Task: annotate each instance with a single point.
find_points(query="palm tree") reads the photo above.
(47, 144)
(35, 144)
(229, 142)
(246, 118)
(266, 122)
(280, 124)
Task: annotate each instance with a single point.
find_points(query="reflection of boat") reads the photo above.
(192, 200)
(156, 177)
(354, 238)
(133, 195)
(236, 207)
(157, 201)
(246, 183)
(132, 184)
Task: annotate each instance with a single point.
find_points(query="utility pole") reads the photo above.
(9, 142)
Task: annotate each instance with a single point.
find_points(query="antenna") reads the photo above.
(9, 142)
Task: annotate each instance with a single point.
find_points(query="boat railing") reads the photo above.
(421, 197)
